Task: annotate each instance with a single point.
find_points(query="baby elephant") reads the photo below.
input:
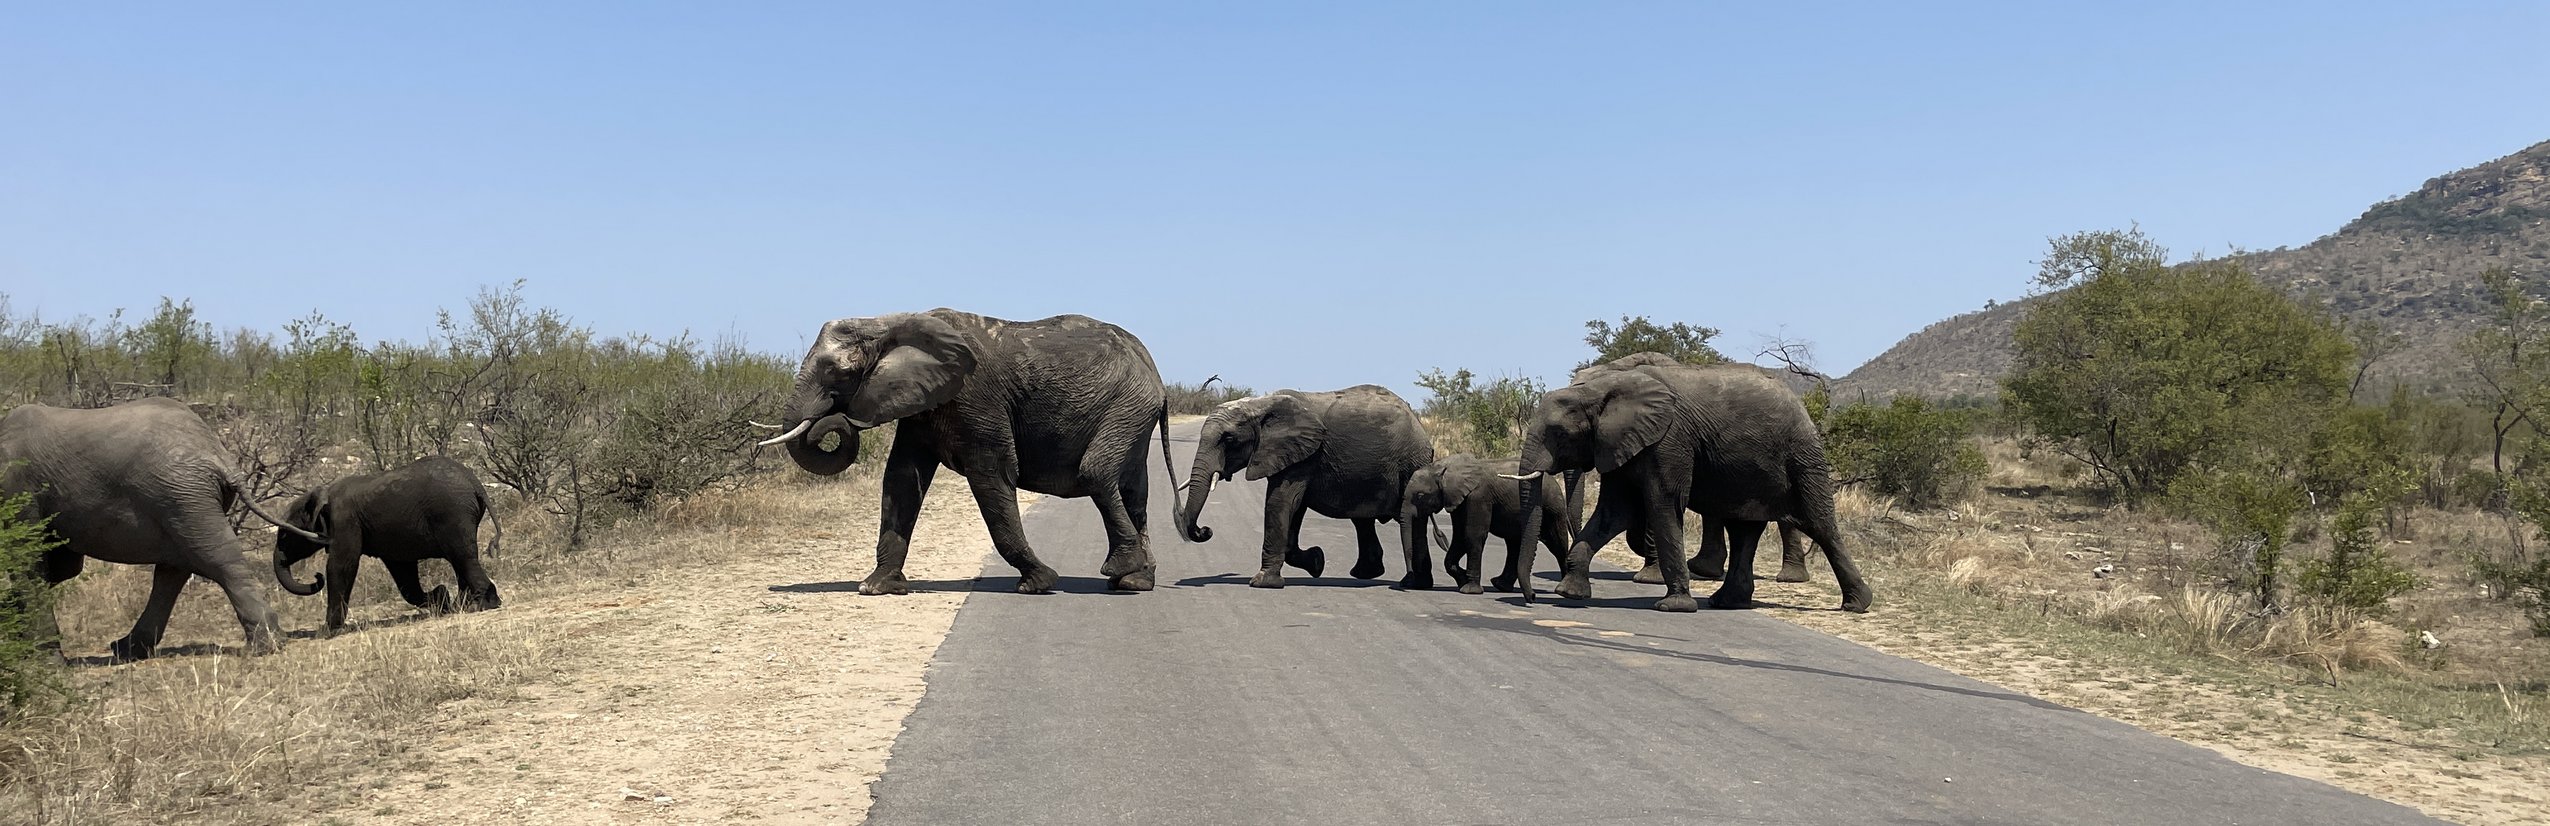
(1481, 505)
(426, 510)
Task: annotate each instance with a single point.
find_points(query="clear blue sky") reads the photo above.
(1289, 194)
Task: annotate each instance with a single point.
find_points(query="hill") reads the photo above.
(2412, 263)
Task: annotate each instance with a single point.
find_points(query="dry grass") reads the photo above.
(199, 735)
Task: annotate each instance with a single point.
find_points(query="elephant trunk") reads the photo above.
(1199, 484)
(1575, 503)
(1530, 492)
(808, 452)
(283, 574)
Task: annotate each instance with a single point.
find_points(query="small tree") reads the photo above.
(2251, 511)
(2358, 572)
(1907, 449)
(1687, 343)
(1484, 419)
(27, 635)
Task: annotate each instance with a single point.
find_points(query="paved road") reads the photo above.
(1338, 701)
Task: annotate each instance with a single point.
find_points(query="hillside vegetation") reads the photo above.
(2411, 264)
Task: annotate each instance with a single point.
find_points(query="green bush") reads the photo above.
(2358, 571)
(2251, 510)
(1685, 342)
(1485, 419)
(28, 672)
(1908, 449)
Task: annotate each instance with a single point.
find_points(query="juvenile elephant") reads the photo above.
(141, 483)
(1481, 506)
(1346, 454)
(1720, 441)
(1059, 406)
(426, 510)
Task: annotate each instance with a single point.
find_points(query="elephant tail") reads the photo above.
(497, 540)
(1166, 462)
(232, 490)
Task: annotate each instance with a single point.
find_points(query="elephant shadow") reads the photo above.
(851, 586)
(988, 583)
(206, 649)
(1289, 582)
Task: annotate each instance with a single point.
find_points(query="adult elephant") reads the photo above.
(141, 483)
(1721, 441)
(1346, 454)
(1059, 406)
(428, 509)
(1480, 507)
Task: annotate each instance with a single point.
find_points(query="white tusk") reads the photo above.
(1524, 478)
(762, 426)
(799, 430)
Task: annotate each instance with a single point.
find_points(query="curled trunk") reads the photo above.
(1199, 485)
(283, 574)
(808, 451)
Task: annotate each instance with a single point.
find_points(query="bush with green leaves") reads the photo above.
(29, 672)
(2251, 510)
(2358, 572)
(1907, 448)
(1685, 342)
(2145, 371)
(1485, 419)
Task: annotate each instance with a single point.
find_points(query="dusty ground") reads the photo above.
(765, 690)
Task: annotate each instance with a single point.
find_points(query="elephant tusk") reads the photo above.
(764, 426)
(1523, 478)
(799, 430)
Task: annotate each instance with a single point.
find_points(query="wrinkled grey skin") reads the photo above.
(1482, 505)
(1723, 442)
(1346, 454)
(1060, 406)
(141, 483)
(426, 510)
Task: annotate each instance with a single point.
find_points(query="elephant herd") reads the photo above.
(1063, 406)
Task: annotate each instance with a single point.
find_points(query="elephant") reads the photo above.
(140, 483)
(428, 509)
(1722, 441)
(1059, 406)
(1346, 454)
(1480, 506)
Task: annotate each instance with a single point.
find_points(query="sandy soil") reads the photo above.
(766, 690)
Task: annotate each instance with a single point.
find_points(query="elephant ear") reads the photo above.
(922, 363)
(1287, 432)
(1462, 478)
(1637, 409)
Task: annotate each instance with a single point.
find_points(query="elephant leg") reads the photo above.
(1367, 550)
(477, 591)
(1649, 572)
(1821, 527)
(1792, 554)
(999, 501)
(167, 581)
(1711, 561)
(1613, 514)
(1127, 567)
(60, 565)
(1456, 561)
(1286, 502)
(343, 562)
(1663, 518)
(412, 589)
(908, 470)
(1743, 538)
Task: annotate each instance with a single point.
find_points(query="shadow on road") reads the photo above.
(1559, 635)
(851, 586)
(1289, 581)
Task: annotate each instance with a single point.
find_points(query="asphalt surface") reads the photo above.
(1338, 701)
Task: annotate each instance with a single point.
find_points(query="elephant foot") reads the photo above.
(126, 651)
(1678, 604)
(1136, 581)
(1708, 570)
(1729, 599)
(1858, 603)
(1366, 569)
(1311, 560)
(1037, 580)
(1267, 579)
(1652, 574)
(1413, 582)
(481, 602)
(440, 600)
(1473, 589)
(1788, 574)
(1503, 584)
(1458, 572)
(1574, 586)
(882, 584)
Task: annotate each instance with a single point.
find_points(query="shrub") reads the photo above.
(2251, 511)
(1686, 343)
(1486, 419)
(1197, 400)
(28, 674)
(1908, 449)
(2358, 572)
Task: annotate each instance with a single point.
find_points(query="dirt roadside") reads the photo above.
(764, 690)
